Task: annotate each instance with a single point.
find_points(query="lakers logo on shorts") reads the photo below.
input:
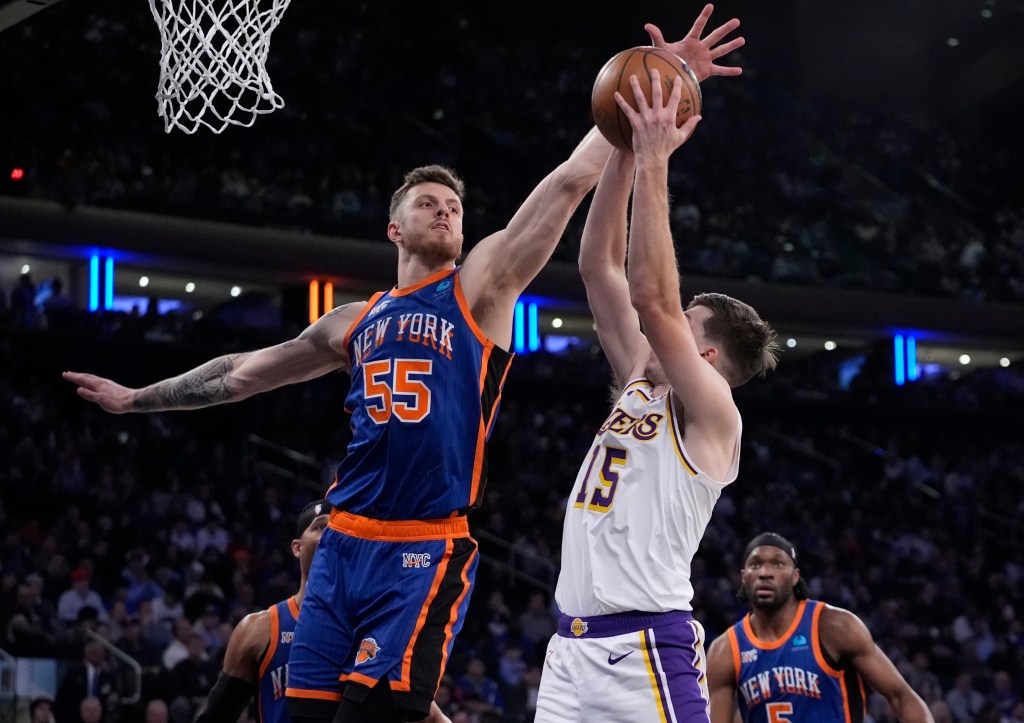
(578, 627)
(368, 650)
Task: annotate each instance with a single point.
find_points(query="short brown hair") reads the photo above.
(426, 174)
(748, 342)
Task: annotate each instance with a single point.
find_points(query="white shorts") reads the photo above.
(627, 667)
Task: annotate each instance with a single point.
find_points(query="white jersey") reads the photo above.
(637, 513)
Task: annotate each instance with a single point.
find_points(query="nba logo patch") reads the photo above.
(368, 650)
(442, 287)
(578, 627)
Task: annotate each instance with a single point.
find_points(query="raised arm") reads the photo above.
(603, 268)
(500, 267)
(848, 639)
(654, 280)
(233, 377)
(701, 53)
(722, 681)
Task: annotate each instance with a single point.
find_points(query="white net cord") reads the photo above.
(213, 62)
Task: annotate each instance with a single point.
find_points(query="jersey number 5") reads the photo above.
(608, 477)
(397, 388)
(779, 712)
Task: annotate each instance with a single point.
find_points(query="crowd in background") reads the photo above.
(772, 187)
(159, 532)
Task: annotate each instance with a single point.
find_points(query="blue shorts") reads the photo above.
(383, 598)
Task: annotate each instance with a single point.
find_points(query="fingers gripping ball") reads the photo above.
(614, 76)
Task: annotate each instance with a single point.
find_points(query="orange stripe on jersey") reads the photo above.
(366, 310)
(333, 484)
(293, 605)
(317, 694)
(773, 644)
(439, 571)
(460, 297)
(734, 645)
(406, 290)
(275, 627)
(398, 530)
(497, 400)
(481, 434)
(677, 435)
(816, 646)
(448, 635)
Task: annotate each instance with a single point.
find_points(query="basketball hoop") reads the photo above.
(213, 58)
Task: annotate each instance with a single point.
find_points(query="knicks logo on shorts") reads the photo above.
(578, 627)
(368, 650)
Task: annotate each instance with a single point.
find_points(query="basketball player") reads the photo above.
(627, 646)
(389, 588)
(798, 660)
(256, 660)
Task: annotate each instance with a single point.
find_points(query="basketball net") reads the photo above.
(213, 62)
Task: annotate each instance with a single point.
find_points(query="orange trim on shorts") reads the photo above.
(439, 573)
(359, 678)
(316, 694)
(734, 644)
(398, 530)
(774, 644)
(275, 628)
(448, 635)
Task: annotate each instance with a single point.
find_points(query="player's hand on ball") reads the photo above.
(701, 54)
(654, 123)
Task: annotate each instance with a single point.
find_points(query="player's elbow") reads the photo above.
(572, 181)
(646, 297)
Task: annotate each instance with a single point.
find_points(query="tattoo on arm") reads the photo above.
(202, 387)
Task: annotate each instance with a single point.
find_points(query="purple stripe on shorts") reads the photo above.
(675, 659)
(606, 626)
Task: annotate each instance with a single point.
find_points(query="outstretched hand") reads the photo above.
(655, 133)
(111, 396)
(701, 54)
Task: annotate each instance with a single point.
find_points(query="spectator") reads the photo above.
(156, 711)
(40, 710)
(78, 596)
(477, 692)
(87, 680)
(964, 701)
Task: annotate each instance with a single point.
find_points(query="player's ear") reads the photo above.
(394, 232)
(710, 354)
(296, 548)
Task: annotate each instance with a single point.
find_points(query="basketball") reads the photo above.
(614, 76)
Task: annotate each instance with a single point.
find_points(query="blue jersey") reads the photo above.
(792, 679)
(426, 384)
(270, 702)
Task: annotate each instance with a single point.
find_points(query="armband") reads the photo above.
(227, 700)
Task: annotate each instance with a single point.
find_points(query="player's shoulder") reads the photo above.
(253, 632)
(841, 627)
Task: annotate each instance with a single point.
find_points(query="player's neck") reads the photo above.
(772, 625)
(412, 269)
